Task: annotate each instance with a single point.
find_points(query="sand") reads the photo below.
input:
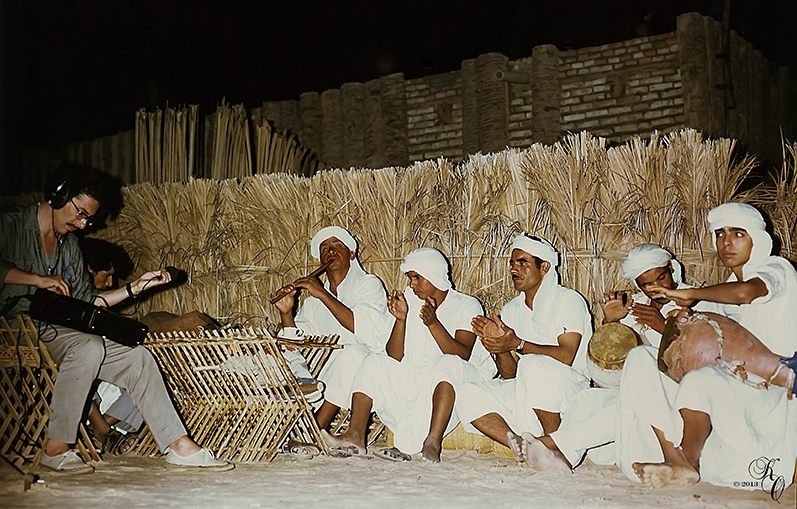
(463, 479)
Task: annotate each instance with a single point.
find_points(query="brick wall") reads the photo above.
(658, 83)
(686, 78)
(434, 117)
(623, 89)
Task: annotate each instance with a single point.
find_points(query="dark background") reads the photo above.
(73, 70)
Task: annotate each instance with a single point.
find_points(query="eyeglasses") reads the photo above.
(82, 214)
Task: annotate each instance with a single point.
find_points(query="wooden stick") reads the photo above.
(316, 272)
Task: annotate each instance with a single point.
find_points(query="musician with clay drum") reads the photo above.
(714, 425)
(590, 426)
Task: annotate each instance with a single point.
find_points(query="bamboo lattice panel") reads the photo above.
(27, 378)
(235, 391)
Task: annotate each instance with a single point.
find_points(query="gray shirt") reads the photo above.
(21, 248)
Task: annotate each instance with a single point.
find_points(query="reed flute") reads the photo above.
(317, 272)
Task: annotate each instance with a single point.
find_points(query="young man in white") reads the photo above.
(712, 426)
(431, 349)
(590, 423)
(352, 304)
(547, 325)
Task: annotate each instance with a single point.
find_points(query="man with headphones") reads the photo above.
(37, 250)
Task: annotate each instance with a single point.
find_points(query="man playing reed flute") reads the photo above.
(352, 304)
(38, 250)
(712, 426)
(431, 349)
(544, 327)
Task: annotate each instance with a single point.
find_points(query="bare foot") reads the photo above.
(516, 444)
(659, 475)
(342, 441)
(430, 451)
(540, 457)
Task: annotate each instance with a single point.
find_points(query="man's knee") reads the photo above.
(86, 351)
(707, 379)
(142, 359)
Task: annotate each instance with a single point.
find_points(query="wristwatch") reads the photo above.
(519, 349)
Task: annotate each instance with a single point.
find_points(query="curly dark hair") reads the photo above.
(102, 186)
(103, 255)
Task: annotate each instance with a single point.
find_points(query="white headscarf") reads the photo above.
(537, 247)
(644, 257)
(429, 263)
(543, 250)
(742, 215)
(340, 234)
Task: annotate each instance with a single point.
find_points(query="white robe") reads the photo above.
(590, 425)
(540, 382)
(365, 295)
(402, 391)
(747, 423)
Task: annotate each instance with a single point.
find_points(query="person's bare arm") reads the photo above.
(461, 344)
(648, 315)
(507, 364)
(285, 305)
(500, 340)
(736, 292)
(397, 305)
(564, 352)
(615, 306)
(53, 283)
(147, 281)
(339, 310)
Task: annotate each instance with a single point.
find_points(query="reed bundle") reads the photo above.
(230, 155)
(779, 200)
(281, 152)
(242, 239)
(165, 144)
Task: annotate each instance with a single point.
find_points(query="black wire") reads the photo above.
(137, 301)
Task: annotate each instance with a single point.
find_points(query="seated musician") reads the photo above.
(589, 425)
(431, 349)
(352, 304)
(546, 325)
(712, 426)
(107, 262)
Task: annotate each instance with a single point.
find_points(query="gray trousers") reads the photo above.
(82, 358)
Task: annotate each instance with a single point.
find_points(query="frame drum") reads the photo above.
(606, 353)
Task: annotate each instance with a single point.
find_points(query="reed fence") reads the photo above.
(241, 239)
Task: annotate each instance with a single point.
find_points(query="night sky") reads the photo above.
(77, 69)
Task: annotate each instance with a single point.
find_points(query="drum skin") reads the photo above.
(606, 353)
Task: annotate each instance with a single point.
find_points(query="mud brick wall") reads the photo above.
(622, 89)
(698, 76)
(658, 83)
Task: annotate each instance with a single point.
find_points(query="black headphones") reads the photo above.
(59, 196)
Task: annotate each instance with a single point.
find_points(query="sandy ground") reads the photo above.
(463, 479)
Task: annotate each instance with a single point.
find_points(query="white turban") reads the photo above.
(429, 263)
(644, 257)
(327, 233)
(537, 247)
(742, 215)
